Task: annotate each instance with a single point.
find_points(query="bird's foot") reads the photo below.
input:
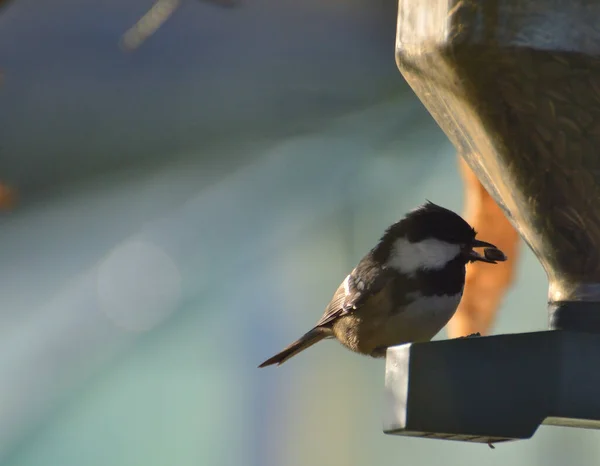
(472, 335)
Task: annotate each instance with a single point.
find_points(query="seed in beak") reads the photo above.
(494, 254)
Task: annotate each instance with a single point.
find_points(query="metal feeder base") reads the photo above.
(493, 389)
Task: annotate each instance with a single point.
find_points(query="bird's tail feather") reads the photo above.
(305, 341)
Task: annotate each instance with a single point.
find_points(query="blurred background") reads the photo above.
(175, 214)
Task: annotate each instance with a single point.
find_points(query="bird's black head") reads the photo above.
(429, 237)
(431, 221)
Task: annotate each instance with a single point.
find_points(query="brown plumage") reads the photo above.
(404, 290)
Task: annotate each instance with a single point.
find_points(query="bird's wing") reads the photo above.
(360, 285)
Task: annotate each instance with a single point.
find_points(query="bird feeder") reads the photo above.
(515, 85)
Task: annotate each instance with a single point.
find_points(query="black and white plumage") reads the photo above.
(405, 289)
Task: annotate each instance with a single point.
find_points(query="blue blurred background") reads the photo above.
(186, 210)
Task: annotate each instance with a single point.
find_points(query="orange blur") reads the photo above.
(7, 197)
(486, 285)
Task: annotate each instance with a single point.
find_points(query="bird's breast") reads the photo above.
(423, 318)
(375, 327)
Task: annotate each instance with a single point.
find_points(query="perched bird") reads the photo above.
(405, 289)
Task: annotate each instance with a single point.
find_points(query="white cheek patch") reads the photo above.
(429, 254)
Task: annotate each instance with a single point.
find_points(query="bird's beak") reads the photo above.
(491, 255)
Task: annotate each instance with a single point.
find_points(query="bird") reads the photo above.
(404, 290)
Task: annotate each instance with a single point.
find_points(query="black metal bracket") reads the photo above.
(493, 389)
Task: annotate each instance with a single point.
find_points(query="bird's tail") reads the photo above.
(305, 341)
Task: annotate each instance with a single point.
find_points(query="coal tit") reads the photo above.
(404, 290)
